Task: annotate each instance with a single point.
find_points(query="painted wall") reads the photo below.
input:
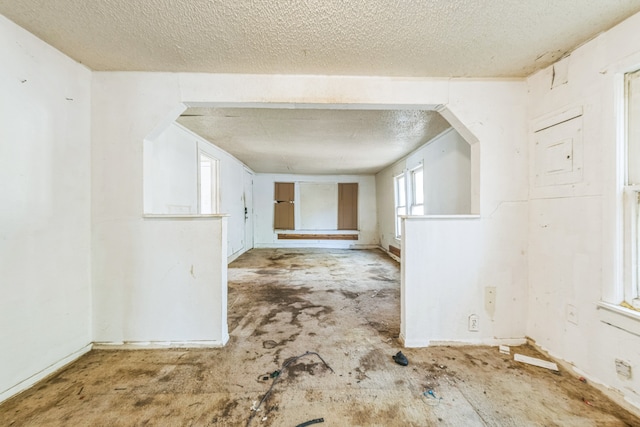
(574, 244)
(127, 105)
(453, 267)
(446, 161)
(125, 109)
(45, 234)
(265, 236)
(171, 180)
(447, 174)
(175, 277)
(170, 172)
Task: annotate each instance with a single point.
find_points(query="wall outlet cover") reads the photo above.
(474, 323)
(623, 368)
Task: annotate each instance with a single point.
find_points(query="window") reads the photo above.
(632, 190)
(208, 185)
(401, 201)
(417, 191)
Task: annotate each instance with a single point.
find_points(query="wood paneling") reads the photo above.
(348, 206)
(284, 192)
(283, 211)
(394, 250)
(318, 236)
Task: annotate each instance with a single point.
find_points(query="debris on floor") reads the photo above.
(432, 399)
(310, 422)
(504, 349)
(400, 359)
(535, 362)
(276, 375)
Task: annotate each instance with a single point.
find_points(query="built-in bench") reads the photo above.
(288, 236)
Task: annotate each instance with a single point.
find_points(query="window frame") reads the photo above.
(414, 192)
(398, 206)
(215, 183)
(631, 194)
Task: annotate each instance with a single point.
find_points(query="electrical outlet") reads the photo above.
(623, 368)
(474, 323)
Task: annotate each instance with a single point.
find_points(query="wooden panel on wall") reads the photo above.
(348, 206)
(283, 213)
(318, 236)
(284, 192)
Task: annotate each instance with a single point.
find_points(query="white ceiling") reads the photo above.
(308, 141)
(409, 38)
(441, 38)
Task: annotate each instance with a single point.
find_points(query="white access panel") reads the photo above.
(558, 154)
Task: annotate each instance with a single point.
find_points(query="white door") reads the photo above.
(248, 209)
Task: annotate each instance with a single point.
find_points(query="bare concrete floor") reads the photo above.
(345, 306)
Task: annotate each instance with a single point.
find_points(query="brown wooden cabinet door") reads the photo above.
(348, 206)
(283, 214)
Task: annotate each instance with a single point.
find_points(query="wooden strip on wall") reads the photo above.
(348, 206)
(394, 250)
(283, 210)
(318, 236)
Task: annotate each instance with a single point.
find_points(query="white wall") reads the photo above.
(265, 235)
(127, 105)
(447, 174)
(573, 238)
(232, 197)
(446, 161)
(45, 273)
(175, 277)
(125, 108)
(171, 180)
(450, 264)
(171, 173)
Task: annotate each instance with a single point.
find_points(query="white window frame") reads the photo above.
(417, 208)
(213, 192)
(631, 197)
(398, 206)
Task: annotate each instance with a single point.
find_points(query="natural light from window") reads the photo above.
(632, 189)
(401, 201)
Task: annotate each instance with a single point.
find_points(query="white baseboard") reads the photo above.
(491, 342)
(39, 376)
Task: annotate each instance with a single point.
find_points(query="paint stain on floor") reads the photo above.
(345, 306)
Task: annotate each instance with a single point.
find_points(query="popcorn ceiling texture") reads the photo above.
(414, 38)
(315, 141)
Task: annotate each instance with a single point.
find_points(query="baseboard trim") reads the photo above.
(491, 342)
(39, 376)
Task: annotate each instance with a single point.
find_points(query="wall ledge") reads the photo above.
(435, 217)
(184, 217)
(619, 317)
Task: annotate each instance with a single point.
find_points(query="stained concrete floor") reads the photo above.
(345, 306)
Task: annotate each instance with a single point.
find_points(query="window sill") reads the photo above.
(619, 317)
(463, 216)
(184, 216)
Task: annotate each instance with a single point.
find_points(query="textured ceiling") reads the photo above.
(308, 141)
(441, 38)
(411, 38)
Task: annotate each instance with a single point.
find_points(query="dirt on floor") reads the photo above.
(313, 333)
